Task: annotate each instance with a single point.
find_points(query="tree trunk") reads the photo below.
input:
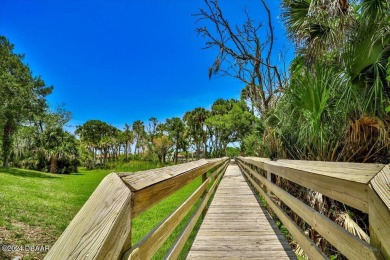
(198, 151)
(205, 150)
(53, 164)
(127, 151)
(176, 154)
(104, 156)
(7, 141)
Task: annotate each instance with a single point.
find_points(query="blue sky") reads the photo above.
(121, 61)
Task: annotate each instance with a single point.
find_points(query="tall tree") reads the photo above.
(176, 131)
(230, 121)
(21, 95)
(96, 135)
(127, 138)
(152, 128)
(139, 135)
(162, 145)
(195, 121)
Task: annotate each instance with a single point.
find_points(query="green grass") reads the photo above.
(36, 207)
(149, 219)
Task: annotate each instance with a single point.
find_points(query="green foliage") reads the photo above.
(44, 145)
(230, 121)
(195, 121)
(337, 88)
(21, 95)
(310, 105)
(252, 144)
(162, 145)
(232, 151)
(284, 230)
(139, 135)
(99, 138)
(177, 133)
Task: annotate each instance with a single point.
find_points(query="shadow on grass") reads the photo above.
(73, 174)
(26, 173)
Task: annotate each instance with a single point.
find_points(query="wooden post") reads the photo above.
(379, 211)
(204, 178)
(101, 229)
(270, 180)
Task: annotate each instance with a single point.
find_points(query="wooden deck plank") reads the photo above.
(236, 227)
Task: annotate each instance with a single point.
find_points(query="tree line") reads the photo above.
(206, 133)
(33, 135)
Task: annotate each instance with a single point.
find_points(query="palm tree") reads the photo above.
(355, 44)
(139, 134)
(195, 120)
(127, 138)
(176, 128)
(317, 27)
(60, 148)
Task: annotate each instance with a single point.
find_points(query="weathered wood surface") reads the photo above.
(236, 227)
(356, 172)
(146, 248)
(101, 229)
(310, 249)
(152, 186)
(379, 215)
(174, 252)
(381, 185)
(348, 244)
(345, 182)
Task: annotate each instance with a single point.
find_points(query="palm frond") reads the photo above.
(375, 9)
(295, 14)
(351, 226)
(299, 251)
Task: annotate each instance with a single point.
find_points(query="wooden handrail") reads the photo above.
(152, 186)
(102, 227)
(362, 186)
(379, 213)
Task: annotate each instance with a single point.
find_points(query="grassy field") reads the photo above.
(36, 207)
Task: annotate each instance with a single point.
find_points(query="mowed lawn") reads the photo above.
(36, 207)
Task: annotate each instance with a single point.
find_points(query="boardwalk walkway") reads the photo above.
(236, 227)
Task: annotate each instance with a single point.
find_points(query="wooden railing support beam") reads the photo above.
(379, 213)
(363, 186)
(102, 228)
(204, 179)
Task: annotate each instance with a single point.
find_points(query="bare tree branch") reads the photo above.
(242, 54)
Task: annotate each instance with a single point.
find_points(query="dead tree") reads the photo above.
(243, 53)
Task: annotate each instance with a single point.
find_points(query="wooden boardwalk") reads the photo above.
(236, 227)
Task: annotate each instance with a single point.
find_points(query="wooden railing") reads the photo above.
(363, 186)
(102, 228)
